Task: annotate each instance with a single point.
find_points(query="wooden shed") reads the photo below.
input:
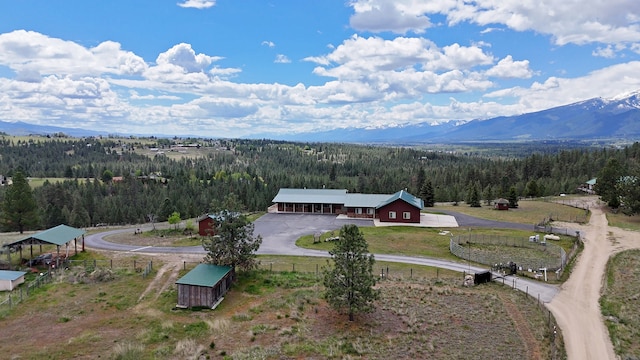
(9, 280)
(204, 286)
(502, 204)
(206, 225)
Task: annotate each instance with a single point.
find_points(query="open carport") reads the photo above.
(61, 235)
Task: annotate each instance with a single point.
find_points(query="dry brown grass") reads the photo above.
(618, 303)
(528, 212)
(273, 316)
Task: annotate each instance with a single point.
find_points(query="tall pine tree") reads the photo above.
(349, 283)
(427, 194)
(19, 209)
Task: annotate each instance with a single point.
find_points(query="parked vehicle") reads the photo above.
(42, 259)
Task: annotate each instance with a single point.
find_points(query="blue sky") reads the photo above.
(238, 68)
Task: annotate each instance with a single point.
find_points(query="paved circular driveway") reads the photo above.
(280, 231)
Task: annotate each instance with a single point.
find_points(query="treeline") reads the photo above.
(112, 181)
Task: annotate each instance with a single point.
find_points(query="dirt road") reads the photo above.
(576, 306)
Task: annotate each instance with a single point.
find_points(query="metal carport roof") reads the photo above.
(59, 235)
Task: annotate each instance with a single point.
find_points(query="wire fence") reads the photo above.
(316, 268)
(16, 296)
(492, 250)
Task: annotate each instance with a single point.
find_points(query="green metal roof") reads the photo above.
(311, 196)
(58, 235)
(204, 275)
(365, 200)
(404, 196)
(592, 181)
(11, 275)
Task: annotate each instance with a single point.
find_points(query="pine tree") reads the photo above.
(488, 195)
(606, 185)
(532, 189)
(19, 209)
(474, 197)
(513, 198)
(629, 190)
(349, 283)
(421, 177)
(427, 194)
(233, 243)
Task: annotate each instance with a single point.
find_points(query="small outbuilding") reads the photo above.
(206, 225)
(502, 204)
(9, 280)
(204, 286)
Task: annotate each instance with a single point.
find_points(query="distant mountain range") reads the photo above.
(598, 118)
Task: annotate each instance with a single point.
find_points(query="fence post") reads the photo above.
(270, 267)
(316, 270)
(184, 265)
(111, 263)
(411, 273)
(294, 267)
(134, 264)
(94, 264)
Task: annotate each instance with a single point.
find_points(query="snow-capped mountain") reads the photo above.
(597, 118)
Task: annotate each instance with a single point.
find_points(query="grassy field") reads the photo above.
(528, 212)
(415, 241)
(619, 303)
(274, 315)
(623, 221)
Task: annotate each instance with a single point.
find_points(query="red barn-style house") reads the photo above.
(207, 225)
(399, 207)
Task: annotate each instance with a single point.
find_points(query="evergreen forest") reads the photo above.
(111, 181)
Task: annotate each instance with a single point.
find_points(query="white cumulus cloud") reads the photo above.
(197, 4)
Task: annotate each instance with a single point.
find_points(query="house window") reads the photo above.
(370, 211)
(358, 211)
(406, 215)
(392, 214)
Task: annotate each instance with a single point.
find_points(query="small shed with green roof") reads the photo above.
(204, 286)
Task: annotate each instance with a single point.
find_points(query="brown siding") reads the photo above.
(204, 296)
(205, 227)
(351, 212)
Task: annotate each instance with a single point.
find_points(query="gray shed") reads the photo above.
(9, 280)
(204, 286)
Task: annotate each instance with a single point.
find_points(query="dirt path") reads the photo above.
(161, 282)
(522, 326)
(576, 307)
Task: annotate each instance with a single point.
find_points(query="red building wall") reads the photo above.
(400, 207)
(206, 227)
